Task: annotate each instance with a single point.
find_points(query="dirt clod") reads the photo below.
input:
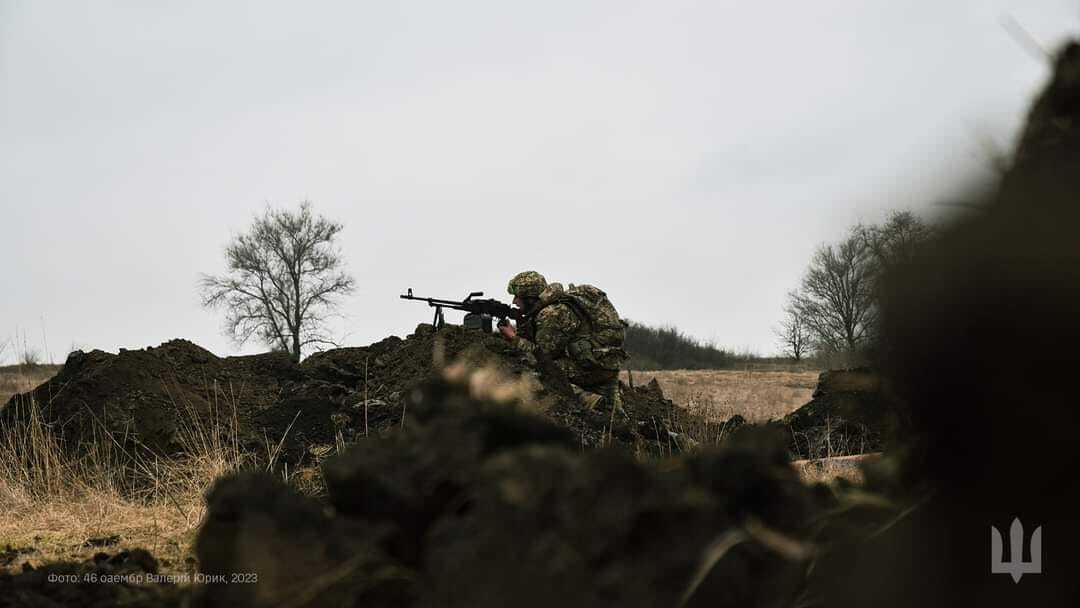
(849, 413)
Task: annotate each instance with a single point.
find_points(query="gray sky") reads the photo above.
(687, 157)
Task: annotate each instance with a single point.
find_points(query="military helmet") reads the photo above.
(527, 284)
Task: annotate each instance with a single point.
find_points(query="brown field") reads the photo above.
(718, 395)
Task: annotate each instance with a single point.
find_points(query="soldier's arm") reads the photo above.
(555, 326)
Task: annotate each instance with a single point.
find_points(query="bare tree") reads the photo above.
(284, 277)
(895, 242)
(836, 300)
(793, 332)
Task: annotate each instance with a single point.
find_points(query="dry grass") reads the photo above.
(76, 527)
(56, 505)
(718, 395)
(825, 470)
(757, 396)
(16, 379)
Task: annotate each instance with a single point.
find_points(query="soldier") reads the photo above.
(577, 329)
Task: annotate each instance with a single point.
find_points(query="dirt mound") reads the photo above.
(848, 414)
(167, 398)
(478, 502)
(161, 398)
(384, 372)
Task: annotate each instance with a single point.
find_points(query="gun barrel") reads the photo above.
(432, 301)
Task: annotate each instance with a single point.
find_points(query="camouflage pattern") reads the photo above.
(580, 332)
(551, 294)
(528, 284)
(606, 330)
(548, 332)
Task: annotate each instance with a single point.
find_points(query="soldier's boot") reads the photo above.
(587, 399)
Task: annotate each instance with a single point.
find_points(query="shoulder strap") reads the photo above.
(574, 305)
(578, 309)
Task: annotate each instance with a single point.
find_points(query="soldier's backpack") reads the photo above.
(603, 347)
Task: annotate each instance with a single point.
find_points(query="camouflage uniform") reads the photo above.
(559, 331)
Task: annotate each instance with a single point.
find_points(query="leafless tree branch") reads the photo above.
(793, 333)
(837, 300)
(283, 275)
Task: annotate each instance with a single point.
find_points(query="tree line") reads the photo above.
(834, 310)
(669, 348)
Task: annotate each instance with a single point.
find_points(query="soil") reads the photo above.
(849, 413)
(156, 399)
(483, 503)
(106, 580)
(152, 398)
(9, 555)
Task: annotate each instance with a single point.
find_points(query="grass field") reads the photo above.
(756, 395)
(718, 395)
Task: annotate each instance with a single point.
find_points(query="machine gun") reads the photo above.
(480, 312)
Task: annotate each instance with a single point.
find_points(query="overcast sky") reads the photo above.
(686, 157)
